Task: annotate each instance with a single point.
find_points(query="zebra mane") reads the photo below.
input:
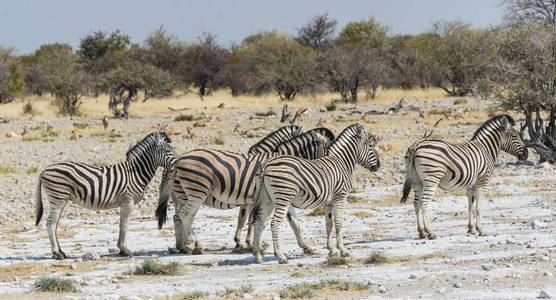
(352, 130)
(294, 129)
(324, 132)
(492, 121)
(137, 149)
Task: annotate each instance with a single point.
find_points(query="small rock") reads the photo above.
(91, 255)
(114, 280)
(73, 266)
(247, 296)
(536, 224)
(15, 279)
(457, 285)
(412, 276)
(510, 241)
(487, 267)
(547, 274)
(509, 266)
(544, 295)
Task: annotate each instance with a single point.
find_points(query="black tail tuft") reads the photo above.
(38, 204)
(161, 213)
(406, 189)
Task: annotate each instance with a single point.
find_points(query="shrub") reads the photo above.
(307, 290)
(181, 118)
(218, 141)
(459, 101)
(265, 114)
(331, 107)
(335, 261)
(54, 284)
(194, 295)
(377, 258)
(28, 109)
(156, 267)
(238, 291)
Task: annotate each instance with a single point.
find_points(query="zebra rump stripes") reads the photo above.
(435, 163)
(287, 180)
(120, 185)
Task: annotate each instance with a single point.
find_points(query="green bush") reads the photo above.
(54, 284)
(157, 267)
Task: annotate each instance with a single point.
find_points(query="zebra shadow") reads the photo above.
(27, 258)
(245, 261)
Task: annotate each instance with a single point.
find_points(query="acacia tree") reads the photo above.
(346, 70)
(455, 57)
(202, 63)
(11, 76)
(125, 83)
(318, 32)
(59, 71)
(100, 52)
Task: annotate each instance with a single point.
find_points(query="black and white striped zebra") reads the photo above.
(120, 185)
(469, 166)
(224, 180)
(286, 181)
(269, 143)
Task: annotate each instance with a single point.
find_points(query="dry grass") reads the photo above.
(238, 291)
(151, 267)
(362, 214)
(309, 290)
(336, 261)
(97, 107)
(54, 284)
(319, 211)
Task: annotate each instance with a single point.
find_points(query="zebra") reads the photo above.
(275, 138)
(284, 148)
(120, 185)
(285, 180)
(433, 163)
(224, 180)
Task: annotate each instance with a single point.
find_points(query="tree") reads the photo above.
(11, 76)
(520, 11)
(281, 63)
(100, 52)
(163, 50)
(365, 33)
(59, 71)
(346, 70)
(202, 62)
(522, 77)
(318, 32)
(125, 83)
(455, 57)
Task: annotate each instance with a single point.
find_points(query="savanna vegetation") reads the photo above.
(513, 63)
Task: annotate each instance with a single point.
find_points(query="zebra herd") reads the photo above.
(288, 169)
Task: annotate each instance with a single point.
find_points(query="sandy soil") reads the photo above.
(515, 261)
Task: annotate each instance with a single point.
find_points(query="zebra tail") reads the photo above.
(38, 203)
(260, 190)
(165, 192)
(407, 185)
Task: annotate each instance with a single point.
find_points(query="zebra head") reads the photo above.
(368, 158)
(156, 148)
(511, 141)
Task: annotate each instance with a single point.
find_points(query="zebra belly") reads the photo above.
(454, 184)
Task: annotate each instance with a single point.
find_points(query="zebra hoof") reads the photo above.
(125, 252)
(63, 254)
(345, 254)
(172, 250)
(58, 256)
(432, 236)
(197, 251)
(422, 235)
(333, 253)
(258, 258)
(482, 233)
(471, 232)
(282, 260)
(309, 251)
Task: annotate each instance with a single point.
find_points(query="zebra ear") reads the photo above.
(373, 140)
(505, 122)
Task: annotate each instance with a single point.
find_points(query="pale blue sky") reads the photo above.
(26, 24)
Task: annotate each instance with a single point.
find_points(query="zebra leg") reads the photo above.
(294, 224)
(241, 220)
(264, 213)
(478, 214)
(187, 212)
(417, 204)
(332, 251)
(179, 231)
(279, 214)
(56, 208)
(125, 211)
(471, 202)
(428, 194)
(339, 208)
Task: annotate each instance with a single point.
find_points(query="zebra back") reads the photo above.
(268, 144)
(309, 145)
